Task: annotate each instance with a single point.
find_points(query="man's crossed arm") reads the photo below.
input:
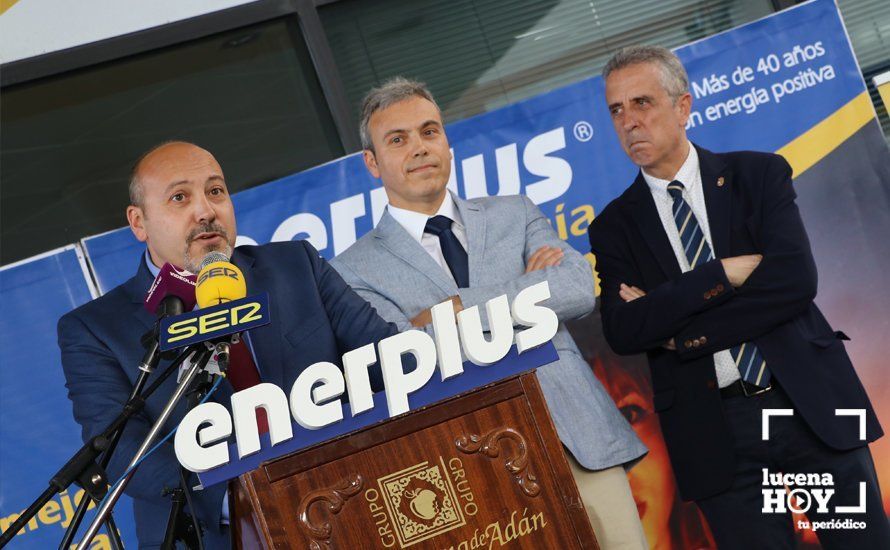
(544, 257)
(737, 270)
(731, 300)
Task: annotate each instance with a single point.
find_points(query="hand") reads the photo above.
(630, 293)
(670, 345)
(546, 256)
(425, 317)
(739, 268)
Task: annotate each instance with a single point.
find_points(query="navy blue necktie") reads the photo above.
(452, 250)
(748, 358)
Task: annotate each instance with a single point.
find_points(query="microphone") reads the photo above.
(171, 293)
(224, 308)
(219, 281)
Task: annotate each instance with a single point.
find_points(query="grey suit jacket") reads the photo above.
(398, 277)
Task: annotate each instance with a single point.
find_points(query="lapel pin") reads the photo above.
(720, 181)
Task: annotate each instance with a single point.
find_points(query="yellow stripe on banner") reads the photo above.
(882, 83)
(6, 4)
(813, 145)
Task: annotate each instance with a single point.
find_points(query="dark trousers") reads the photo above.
(736, 517)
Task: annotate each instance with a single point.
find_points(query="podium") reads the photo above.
(481, 470)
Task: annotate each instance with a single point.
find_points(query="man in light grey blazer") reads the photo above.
(430, 246)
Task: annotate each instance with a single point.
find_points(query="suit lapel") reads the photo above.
(267, 340)
(716, 179)
(646, 216)
(136, 288)
(394, 238)
(474, 223)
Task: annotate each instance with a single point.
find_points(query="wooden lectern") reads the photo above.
(481, 470)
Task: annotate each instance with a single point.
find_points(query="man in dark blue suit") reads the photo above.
(705, 266)
(180, 207)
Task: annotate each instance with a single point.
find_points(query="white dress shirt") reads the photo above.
(415, 223)
(690, 176)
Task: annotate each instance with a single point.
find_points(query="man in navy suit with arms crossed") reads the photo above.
(181, 209)
(706, 267)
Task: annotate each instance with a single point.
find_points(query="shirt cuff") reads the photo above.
(224, 516)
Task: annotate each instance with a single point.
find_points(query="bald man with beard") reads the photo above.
(181, 209)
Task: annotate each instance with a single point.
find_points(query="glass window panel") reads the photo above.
(480, 55)
(868, 24)
(250, 96)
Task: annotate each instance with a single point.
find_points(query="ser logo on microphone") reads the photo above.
(221, 271)
(214, 322)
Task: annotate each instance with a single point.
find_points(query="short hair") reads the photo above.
(673, 75)
(137, 196)
(389, 93)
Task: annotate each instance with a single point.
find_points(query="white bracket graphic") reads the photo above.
(854, 412)
(860, 509)
(767, 414)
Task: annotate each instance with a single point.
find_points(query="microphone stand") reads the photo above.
(111, 499)
(147, 365)
(181, 527)
(82, 467)
(169, 306)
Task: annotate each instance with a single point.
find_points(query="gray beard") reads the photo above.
(194, 264)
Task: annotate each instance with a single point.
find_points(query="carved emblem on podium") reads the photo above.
(517, 464)
(335, 497)
(421, 502)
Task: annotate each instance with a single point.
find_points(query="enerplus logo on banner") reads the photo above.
(539, 156)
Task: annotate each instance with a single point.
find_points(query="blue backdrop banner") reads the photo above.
(37, 430)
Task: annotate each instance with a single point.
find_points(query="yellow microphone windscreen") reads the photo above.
(219, 282)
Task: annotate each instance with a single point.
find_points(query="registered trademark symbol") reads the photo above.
(583, 130)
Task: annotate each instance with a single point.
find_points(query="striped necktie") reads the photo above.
(748, 359)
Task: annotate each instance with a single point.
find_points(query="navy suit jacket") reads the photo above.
(749, 198)
(315, 317)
